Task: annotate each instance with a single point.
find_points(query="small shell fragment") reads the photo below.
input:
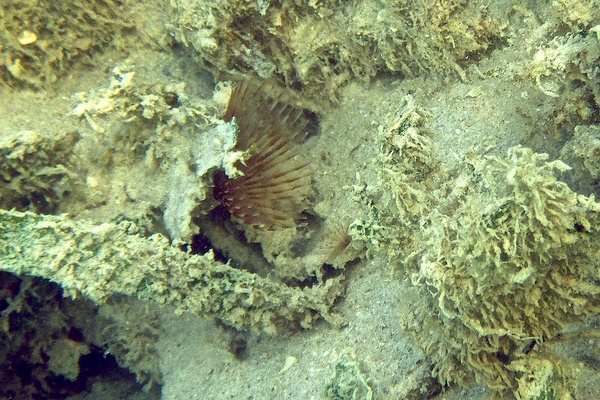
(289, 363)
(27, 38)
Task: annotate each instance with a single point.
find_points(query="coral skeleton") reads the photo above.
(275, 179)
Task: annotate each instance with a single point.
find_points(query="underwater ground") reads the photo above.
(299, 200)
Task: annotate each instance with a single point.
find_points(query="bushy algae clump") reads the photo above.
(505, 252)
(513, 266)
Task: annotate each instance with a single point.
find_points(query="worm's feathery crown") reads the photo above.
(276, 179)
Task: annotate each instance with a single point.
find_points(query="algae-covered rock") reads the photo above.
(582, 152)
(35, 173)
(348, 382)
(64, 357)
(566, 68)
(577, 14)
(100, 261)
(160, 141)
(41, 40)
(318, 44)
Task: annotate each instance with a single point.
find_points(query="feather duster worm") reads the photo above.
(276, 179)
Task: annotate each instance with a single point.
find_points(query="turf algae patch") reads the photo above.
(99, 261)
